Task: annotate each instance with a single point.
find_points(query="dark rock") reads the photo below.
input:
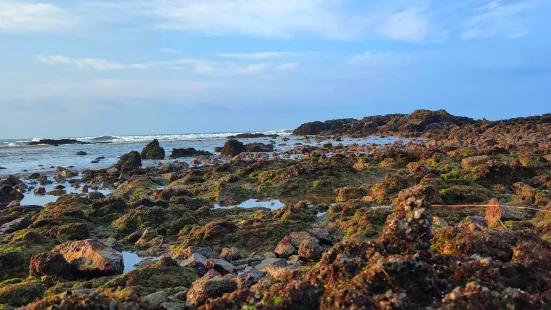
(55, 142)
(81, 153)
(15, 225)
(252, 136)
(33, 176)
(188, 152)
(129, 162)
(260, 147)
(211, 285)
(153, 151)
(310, 249)
(233, 148)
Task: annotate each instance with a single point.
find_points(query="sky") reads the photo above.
(114, 67)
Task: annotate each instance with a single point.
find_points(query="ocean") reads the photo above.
(17, 157)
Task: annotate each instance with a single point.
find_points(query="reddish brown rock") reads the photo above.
(91, 258)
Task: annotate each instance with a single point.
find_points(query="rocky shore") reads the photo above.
(356, 226)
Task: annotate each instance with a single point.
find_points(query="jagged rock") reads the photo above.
(279, 262)
(260, 147)
(220, 265)
(91, 258)
(285, 248)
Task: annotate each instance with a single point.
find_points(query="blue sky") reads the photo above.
(73, 68)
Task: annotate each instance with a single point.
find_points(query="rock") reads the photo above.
(260, 147)
(249, 278)
(188, 152)
(187, 252)
(211, 285)
(33, 176)
(438, 223)
(91, 258)
(153, 151)
(285, 248)
(426, 192)
(322, 235)
(129, 161)
(410, 225)
(197, 262)
(57, 192)
(296, 238)
(233, 148)
(349, 192)
(15, 225)
(278, 262)
(59, 178)
(173, 305)
(43, 180)
(475, 161)
(310, 249)
(56, 142)
(476, 220)
(95, 195)
(81, 153)
(495, 216)
(84, 188)
(230, 254)
(218, 149)
(49, 264)
(40, 191)
(9, 194)
(220, 265)
(112, 171)
(156, 299)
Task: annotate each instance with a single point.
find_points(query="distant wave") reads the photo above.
(146, 138)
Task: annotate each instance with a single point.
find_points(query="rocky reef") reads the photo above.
(320, 226)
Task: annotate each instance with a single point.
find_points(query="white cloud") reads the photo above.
(88, 63)
(407, 25)
(101, 64)
(290, 66)
(54, 60)
(20, 17)
(501, 19)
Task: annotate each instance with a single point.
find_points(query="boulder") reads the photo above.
(91, 258)
(15, 225)
(33, 176)
(9, 193)
(211, 285)
(153, 151)
(220, 265)
(233, 148)
(278, 262)
(81, 153)
(95, 196)
(155, 300)
(129, 161)
(49, 264)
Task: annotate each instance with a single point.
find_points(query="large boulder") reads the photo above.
(49, 264)
(91, 258)
(9, 193)
(153, 151)
(129, 161)
(232, 148)
(188, 152)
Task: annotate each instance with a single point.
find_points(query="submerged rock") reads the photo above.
(233, 148)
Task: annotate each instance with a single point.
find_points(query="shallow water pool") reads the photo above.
(272, 204)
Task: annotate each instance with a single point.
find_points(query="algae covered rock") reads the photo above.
(129, 161)
(153, 151)
(20, 294)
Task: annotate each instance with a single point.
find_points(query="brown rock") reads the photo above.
(49, 264)
(91, 258)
